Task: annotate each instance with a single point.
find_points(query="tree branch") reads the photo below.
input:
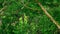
(25, 5)
(51, 18)
(3, 8)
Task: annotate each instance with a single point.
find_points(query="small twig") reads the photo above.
(45, 11)
(29, 7)
(4, 3)
(25, 5)
(3, 8)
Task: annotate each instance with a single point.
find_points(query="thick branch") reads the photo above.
(51, 18)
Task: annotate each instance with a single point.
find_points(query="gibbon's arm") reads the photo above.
(51, 18)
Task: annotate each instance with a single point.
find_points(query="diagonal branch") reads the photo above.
(3, 9)
(51, 18)
(29, 7)
(25, 5)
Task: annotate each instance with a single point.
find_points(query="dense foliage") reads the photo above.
(26, 17)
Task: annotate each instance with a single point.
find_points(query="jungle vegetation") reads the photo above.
(29, 16)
